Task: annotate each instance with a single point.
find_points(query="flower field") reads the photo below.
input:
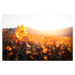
(24, 46)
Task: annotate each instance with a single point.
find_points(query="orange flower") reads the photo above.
(13, 36)
(59, 53)
(10, 54)
(45, 50)
(45, 58)
(48, 43)
(36, 53)
(53, 48)
(33, 53)
(49, 53)
(51, 43)
(3, 30)
(42, 46)
(69, 49)
(49, 50)
(9, 48)
(61, 47)
(26, 52)
(13, 47)
(31, 57)
(15, 41)
(42, 37)
(57, 45)
(70, 46)
(21, 31)
(61, 41)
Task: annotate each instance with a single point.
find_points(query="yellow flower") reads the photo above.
(21, 31)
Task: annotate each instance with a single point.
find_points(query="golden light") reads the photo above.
(21, 31)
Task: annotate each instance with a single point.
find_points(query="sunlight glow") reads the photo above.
(44, 28)
(39, 22)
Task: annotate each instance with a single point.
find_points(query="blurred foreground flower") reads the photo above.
(21, 31)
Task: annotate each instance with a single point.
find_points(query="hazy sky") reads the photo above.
(40, 22)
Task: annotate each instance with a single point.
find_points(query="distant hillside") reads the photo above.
(60, 32)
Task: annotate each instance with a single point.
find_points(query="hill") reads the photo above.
(59, 32)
